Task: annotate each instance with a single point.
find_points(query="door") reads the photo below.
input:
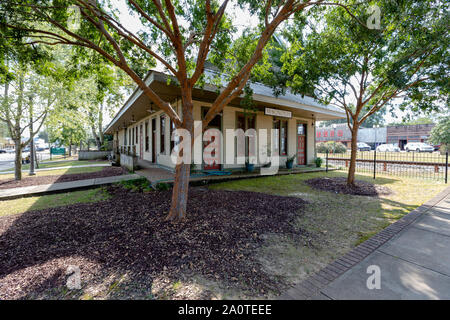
(141, 143)
(301, 144)
(402, 143)
(216, 123)
(154, 140)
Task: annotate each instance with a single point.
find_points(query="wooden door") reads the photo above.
(141, 143)
(216, 123)
(154, 140)
(301, 144)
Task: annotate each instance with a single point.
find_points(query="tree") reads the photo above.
(377, 119)
(180, 35)
(440, 134)
(362, 70)
(24, 106)
(66, 127)
(43, 135)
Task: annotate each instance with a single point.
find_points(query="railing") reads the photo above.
(408, 164)
(128, 150)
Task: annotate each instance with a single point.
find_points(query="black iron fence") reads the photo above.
(408, 164)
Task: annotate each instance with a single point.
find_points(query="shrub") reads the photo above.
(162, 186)
(141, 184)
(318, 161)
(331, 146)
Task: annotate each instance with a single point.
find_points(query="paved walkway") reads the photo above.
(62, 186)
(413, 256)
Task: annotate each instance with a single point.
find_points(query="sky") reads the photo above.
(242, 19)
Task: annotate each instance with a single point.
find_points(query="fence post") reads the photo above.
(326, 162)
(374, 162)
(446, 166)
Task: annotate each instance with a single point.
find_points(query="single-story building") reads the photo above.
(141, 126)
(341, 133)
(400, 135)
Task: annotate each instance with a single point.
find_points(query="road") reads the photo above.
(7, 159)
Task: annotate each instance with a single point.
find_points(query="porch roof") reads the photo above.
(137, 106)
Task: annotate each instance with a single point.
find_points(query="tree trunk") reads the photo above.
(180, 192)
(354, 150)
(18, 160)
(183, 171)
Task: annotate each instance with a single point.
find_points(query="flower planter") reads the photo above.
(250, 167)
(289, 164)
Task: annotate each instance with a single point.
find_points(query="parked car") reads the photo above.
(419, 147)
(362, 146)
(2, 151)
(437, 147)
(388, 147)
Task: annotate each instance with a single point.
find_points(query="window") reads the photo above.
(146, 136)
(125, 136)
(245, 122)
(137, 134)
(281, 138)
(172, 129)
(129, 136)
(162, 135)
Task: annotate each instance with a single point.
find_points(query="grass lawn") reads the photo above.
(54, 172)
(339, 222)
(61, 163)
(55, 164)
(22, 205)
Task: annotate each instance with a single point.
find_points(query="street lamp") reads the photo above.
(334, 131)
(376, 126)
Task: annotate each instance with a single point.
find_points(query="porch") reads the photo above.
(156, 174)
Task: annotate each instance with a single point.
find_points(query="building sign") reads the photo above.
(56, 151)
(277, 113)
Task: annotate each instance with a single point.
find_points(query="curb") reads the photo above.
(313, 285)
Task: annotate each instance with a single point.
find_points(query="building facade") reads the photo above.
(400, 135)
(139, 125)
(341, 133)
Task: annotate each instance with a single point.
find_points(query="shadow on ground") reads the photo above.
(123, 245)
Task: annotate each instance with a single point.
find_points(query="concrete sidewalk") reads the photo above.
(413, 256)
(63, 186)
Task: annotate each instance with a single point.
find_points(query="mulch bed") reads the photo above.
(127, 234)
(339, 185)
(34, 181)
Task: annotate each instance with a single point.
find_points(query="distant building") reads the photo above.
(400, 135)
(371, 136)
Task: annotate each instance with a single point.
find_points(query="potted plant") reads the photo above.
(290, 162)
(249, 166)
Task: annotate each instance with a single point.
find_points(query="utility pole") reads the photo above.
(32, 150)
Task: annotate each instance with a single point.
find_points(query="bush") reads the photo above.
(162, 186)
(138, 185)
(331, 146)
(318, 161)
